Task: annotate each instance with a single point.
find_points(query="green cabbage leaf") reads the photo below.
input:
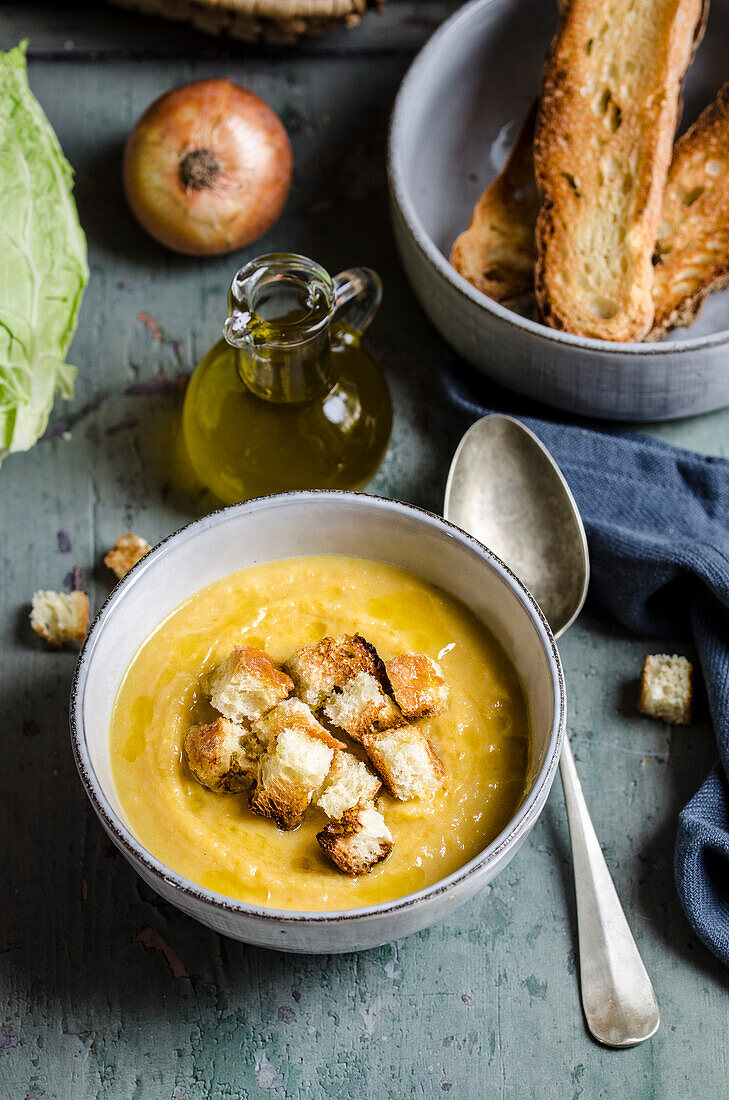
(43, 266)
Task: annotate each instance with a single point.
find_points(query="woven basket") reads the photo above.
(253, 20)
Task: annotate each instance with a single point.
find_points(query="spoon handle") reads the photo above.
(617, 995)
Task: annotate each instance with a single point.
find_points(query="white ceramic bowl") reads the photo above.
(455, 118)
(280, 527)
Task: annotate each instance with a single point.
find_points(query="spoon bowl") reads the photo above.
(526, 515)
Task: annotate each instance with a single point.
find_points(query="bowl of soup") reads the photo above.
(276, 574)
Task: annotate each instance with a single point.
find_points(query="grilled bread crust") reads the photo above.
(497, 251)
(691, 258)
(692, 246)
(604, 136)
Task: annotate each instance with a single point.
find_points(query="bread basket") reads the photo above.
(455, 116)
(282, 21)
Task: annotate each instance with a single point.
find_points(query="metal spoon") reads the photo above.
(505, 488)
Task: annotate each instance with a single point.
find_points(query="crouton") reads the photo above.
(295, 765)
(223, 756)
(361, 705)
(127, 551)
(247, 684)
(417, 684)
(348, 783)
(357, 841)
(60, 617)
(406, 761)
(666, 689)
(318, 669)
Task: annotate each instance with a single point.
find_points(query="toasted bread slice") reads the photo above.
(418, 685)
(692, 247)
(295, 764)
(223, 756)
(348, 783)
(127, 551)
(247, 684)
(602, 149)
(666, 689)
(318, 669)
(60, 617)
(407, 762)
(358, 841)
(361, 705)
(497, 252)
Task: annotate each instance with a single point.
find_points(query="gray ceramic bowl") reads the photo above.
(286, 526)
(456, 115)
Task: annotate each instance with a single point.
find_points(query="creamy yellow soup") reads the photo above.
(214, 839)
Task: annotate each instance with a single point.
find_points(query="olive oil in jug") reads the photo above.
(289, 399)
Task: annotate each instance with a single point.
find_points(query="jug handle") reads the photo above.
(358, 293)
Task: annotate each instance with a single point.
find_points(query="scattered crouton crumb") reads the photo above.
(60, 617)
(127, 551)
(666, 689)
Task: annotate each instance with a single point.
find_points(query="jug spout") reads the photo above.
(239, 328)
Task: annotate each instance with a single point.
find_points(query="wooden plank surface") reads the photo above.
(485, 1005)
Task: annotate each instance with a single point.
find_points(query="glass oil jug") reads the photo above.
(289, 399)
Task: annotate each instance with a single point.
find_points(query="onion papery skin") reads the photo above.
(246, 194)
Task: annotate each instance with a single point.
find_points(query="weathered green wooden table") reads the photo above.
(106, 992)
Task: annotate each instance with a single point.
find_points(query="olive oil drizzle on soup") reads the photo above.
(213, 839)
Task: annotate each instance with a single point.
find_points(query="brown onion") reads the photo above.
(207, 169)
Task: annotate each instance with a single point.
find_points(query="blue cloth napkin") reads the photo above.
(657, 522)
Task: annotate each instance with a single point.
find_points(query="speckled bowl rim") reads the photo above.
(425, 60)
(134, 850)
